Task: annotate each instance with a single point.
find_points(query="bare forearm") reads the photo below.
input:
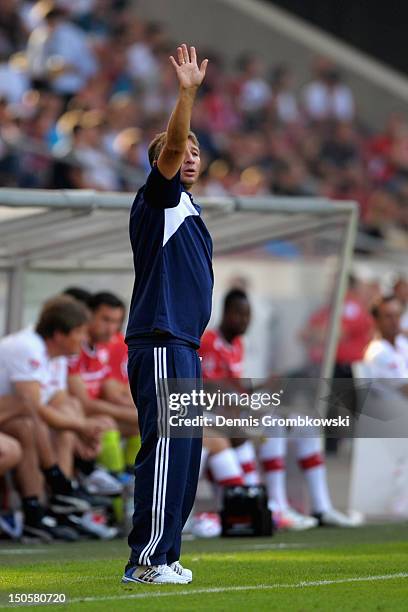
(118, 393)
(90, 405)
(59, 420)
(119, 413)
(179, 124)
(97, 406)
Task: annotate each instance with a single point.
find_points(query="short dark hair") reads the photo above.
(232, 296)
(79, 294)
(61, 314)
(104, 298)
(386, 299)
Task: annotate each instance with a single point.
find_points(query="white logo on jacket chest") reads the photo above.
(175, 217)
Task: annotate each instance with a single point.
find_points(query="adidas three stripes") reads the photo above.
(166, 468)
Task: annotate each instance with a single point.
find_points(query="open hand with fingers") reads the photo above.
(190, 76)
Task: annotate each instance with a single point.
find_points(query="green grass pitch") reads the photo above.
(325, 569)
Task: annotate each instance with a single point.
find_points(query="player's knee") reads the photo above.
(16, 452)
(41, 429)
(12, 452)
(23, 430)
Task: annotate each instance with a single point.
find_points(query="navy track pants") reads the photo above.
(166, 468)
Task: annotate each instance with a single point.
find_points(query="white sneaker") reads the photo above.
(100, 482)
(206, 525)
(94, 524)
(181, 571)
(153, 574)
(334, 518)
(294, 521)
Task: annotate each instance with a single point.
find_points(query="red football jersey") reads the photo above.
(356, 331)
(118, 358)
(92, 365)
(219, 358)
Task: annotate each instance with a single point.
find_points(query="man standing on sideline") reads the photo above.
(170, 308)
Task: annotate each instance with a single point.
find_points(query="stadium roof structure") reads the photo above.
(88, 230)
(42, 229)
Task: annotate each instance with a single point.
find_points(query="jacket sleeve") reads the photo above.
(160, 192)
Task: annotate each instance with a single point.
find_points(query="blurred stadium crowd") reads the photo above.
(85, 84)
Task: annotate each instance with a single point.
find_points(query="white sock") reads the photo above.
(316, 479)
(275, 480)
(272, 455)
(247, 458)
(225, 468)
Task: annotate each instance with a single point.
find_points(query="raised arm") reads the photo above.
(190, 77)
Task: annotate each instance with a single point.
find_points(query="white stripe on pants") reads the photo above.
(161, 458)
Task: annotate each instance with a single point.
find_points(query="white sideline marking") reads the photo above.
(258, 587)
(23, 551)
(264, 587)
(280, 546)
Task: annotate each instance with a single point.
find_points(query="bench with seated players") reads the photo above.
(64, 407)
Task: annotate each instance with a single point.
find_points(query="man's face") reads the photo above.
(70, 344)
(104, 323)
(388, 321)
(190, 168)
(238, 316)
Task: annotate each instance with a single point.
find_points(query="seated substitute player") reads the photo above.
(387, 355)
(115, 385)
(116, 389)
(90, 370)
(93, 477)
(25, 359)
(170, 308)
(19, 433)
(72, 451)
(223, 355)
